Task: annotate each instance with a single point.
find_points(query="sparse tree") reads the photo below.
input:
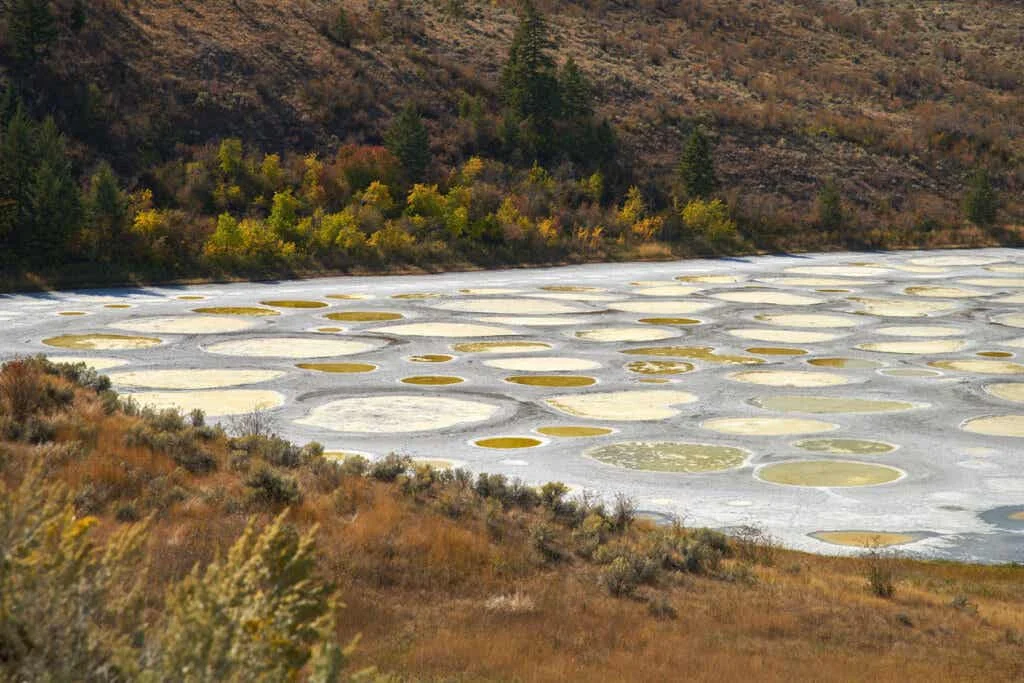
(697, 166)
(409, 141)
(830, 206)
(107, 208)
(981, 203)
(529, 83)
(576, 94)
(32, 29)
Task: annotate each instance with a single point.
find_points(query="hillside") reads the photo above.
(899, 102)
(116, 524)
(896, 98)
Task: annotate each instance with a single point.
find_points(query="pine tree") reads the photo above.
(18, 160)
(575, 92)
(53, 199)
(529, 84)
(830, 206)
(107, 208)
(697, 166)
(32, 28)
(409, 141)
(981, 203)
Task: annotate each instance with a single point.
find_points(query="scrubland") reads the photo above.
(151, 546)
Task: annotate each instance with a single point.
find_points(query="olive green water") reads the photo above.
(669, 456)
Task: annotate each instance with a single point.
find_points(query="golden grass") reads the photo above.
(420, 583)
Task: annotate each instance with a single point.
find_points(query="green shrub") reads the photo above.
(390, 467)
(711, 221)
(261, 614)
(542, 538)
(67, 605)
(271, 488)
(618, 578)
(880, 571)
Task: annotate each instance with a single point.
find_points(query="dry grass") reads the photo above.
(896, 99)
(442, 583)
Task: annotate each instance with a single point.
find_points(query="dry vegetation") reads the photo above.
(448, 576)
(897, 99)
(895, 105)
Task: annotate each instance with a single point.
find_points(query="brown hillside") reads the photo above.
(898, 100)
(448, 577)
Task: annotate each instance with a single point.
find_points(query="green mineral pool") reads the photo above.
(339, 368)
(552, 380)
(363, 316)
(846, 446)
(431, 358)
(846, 363)
(432, 380)
(508, 442)
(659, 367)
(776, 351)
(294, 303)
(237, 310)
(828, 473)
(669, 456)
(104, 342)
(670, 321)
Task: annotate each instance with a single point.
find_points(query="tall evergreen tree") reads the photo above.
(981, 203)
(409, 141)
(32, 28)
(529, 82)
(697, 166)
(108, 210)
(17, 163)
(575, 92)
(53, 199)
(830, 206)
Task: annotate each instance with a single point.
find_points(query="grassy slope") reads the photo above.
(898, 100)
(417, 576)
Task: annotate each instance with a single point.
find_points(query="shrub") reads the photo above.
(981, 204)
(711, 221)
(258, 422)
(542, 538)
(830, 207)
(880, 571)
(261, 613)
(67, 604)
(660, 608)
(620, 578)
(390, 467)
(271, 488)
(21, 388)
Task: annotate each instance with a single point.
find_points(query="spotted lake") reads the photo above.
(835, 400)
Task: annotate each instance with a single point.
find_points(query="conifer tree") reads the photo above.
(32, 28)
(575, 92)
(54, 199)
(409, 141)
(107, 207)
(830, 206)
(529, 83)
(981, 203)
(697, 166)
